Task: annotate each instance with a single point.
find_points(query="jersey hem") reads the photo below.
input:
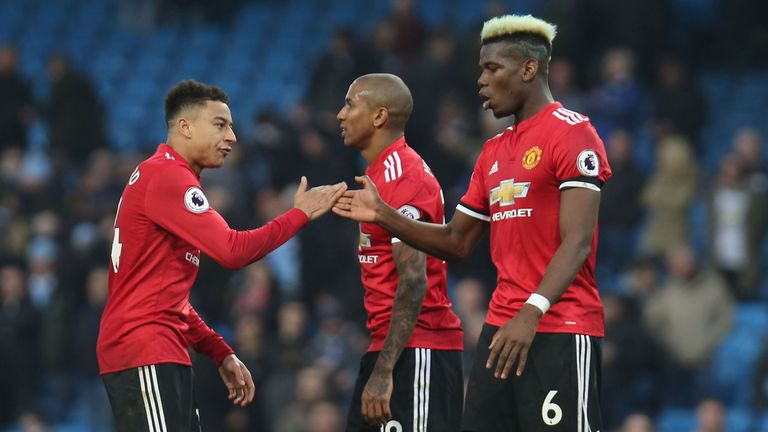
(144, 363)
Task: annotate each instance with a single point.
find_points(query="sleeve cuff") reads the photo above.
(474, 213)
(296, 217)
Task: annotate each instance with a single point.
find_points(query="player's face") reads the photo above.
(502, 88)
(212, 135)
(355, 118)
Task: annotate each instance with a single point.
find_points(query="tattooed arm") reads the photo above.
(412, 270)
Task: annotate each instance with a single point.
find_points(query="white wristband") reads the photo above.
(539, 301)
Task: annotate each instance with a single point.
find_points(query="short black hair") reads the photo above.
(190, 92)
(527, 45)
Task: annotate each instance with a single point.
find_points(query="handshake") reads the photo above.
(362, 205)
(317, 201)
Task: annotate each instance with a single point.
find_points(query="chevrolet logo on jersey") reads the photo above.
(507, 191)
(365, 240)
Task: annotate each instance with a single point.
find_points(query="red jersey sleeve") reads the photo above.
(579, 159)
(475, 201)
(411, 197)
(204, 340)
(180, 206)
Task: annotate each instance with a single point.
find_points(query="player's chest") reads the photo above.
(519, 180)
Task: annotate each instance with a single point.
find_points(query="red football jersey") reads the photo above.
(405, 182)
(163, 221)
(516, 187)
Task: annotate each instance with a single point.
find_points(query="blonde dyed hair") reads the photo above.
(509, 25)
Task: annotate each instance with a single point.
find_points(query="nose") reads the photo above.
(482, 80)
(340, 115)
(231, 138)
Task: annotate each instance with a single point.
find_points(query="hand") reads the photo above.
(512, 342)
(318, 200)
(238, 380)
(375, 398)
(360, 205)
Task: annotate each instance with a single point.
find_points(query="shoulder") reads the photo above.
(498, 139)
(167, 168)
(568, 126)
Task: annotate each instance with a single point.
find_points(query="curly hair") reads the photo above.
(188, 93)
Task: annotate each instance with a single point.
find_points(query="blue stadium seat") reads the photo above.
(676, 420)
(739, 420)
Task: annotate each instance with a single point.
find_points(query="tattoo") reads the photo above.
(412, 269)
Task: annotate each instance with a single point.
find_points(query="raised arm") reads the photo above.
(412, 271)
(451, 242)
(207, 230)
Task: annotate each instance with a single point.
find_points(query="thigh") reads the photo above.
(153, 398)
(490, 402)
(560, 388)
(427, 393)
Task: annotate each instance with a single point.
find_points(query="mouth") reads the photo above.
(225, 151)
(343, 131)
(486, 101)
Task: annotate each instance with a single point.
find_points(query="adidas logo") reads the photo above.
(494, 168)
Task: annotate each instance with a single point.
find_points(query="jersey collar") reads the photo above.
(532, 121)
(396, 145)
(164, 150)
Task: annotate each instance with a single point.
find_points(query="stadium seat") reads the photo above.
(676, 420)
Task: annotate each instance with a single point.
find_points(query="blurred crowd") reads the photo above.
(296, 318)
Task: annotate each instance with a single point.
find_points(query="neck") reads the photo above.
(537, 100)
(378, 143)
(183, 151)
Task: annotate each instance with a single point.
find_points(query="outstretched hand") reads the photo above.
(362, 204)
(318, 200)
(238, 380)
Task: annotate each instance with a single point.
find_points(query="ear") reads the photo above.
(530, 69)
(381, 115)
(184, 127)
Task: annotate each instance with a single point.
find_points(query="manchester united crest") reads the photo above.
(531, 157)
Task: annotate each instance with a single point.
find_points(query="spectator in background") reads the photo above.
(637, 422)
(74, 113)
(614, 102)
(471, 307)
(760, 380)
(333, 72)
(736, 219)
(563, 85)
(311, 386)
(668, 195)
(408, 29)
(748, 144)
(324, 416)
(18, 336)
(630, 363)
(620, 210)
(680, 106)
(689, 315)
(16, 106)
(88, 385)
(710, 416)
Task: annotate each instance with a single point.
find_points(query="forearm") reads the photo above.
(438, 240)
(204, 340)
(565, 264)
(244, 247)
(405, 314)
